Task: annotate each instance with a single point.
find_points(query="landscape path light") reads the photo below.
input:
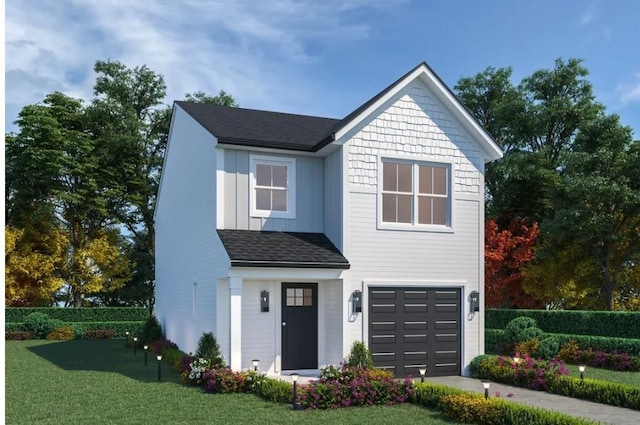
(423, 372)
(486, 385)
(135, 345)
(294, 378)
(146, 348)
(159, 357)
(581, 368)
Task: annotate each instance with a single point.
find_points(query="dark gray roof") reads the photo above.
(248, 248)
(250, 127)
(266, 129)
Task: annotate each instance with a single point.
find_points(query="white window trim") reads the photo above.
(414, 226)
(291, 186)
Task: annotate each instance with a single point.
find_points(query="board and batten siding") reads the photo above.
(309, 195)
(414, 124)
(333, 183)
(189, 254)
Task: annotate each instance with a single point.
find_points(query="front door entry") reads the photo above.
(299, 326)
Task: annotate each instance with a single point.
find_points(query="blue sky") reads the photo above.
(315, 57)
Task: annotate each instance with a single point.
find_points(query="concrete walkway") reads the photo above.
(571, 406)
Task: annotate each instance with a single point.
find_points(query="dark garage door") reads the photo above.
(410, 328)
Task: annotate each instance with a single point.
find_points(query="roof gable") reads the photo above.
(250, 127)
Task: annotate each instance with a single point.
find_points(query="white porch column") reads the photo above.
(235, 322)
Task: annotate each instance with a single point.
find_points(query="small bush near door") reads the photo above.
(209, 350)
(360, 356)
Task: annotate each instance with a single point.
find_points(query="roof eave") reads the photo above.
(293, 265)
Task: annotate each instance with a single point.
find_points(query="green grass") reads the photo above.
(631, 378)
(102, 382)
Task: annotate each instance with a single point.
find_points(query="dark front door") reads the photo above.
(299, 326)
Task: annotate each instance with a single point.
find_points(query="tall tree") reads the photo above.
(55, 168)
(598, 207)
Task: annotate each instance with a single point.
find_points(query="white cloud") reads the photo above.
(630, 92)
(245, 47)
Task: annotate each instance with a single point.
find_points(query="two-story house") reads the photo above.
(290, 237)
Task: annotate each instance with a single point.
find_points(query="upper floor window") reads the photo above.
(416, 193)
(272, 187)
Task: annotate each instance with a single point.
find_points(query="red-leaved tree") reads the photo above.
(505, 252)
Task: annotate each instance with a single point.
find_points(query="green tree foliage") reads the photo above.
(598, 207)
(209, 349)
(572, 169)
(88, 171)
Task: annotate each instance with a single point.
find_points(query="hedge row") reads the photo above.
(80, 328)
(79, 314)
(494, 339)
(466, 407)
(617, 324)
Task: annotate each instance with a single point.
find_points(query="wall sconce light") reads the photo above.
(159, 357)
(356, 301)
(294, 378)
(423, 372)
(486, 386)
(474, 301)
(146, 348)
(264, 301)
(581, 368)
(255, 364)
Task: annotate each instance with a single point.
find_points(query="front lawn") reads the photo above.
(102, 382)
(630, 378)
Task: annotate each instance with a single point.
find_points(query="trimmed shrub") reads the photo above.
(612, 393)
(160, 345)
(80, 314)
(521, 329)
(618, 324)
(224, 380)
(552, 377)
(360, 356)
(571, 353)
(40, 324)
(17, 335)
(119, 328)
(209, 349)
(9, 327)
(174, 357)
(353, 386)
(99, 333)
(494, 341)
(151, 331)
(601, 343)
(529, 347)
(472, 408)
(548, 348)
(275, 390)
(63, 333)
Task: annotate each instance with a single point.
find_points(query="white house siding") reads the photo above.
(258, 328)
(309, 195)
(333, 183)
(188, 250)
(414, 124)
(333, 322)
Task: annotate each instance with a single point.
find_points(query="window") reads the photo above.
(272, 187)
(416, 193)
(299, 297)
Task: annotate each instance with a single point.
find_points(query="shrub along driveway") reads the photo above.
(102, 382)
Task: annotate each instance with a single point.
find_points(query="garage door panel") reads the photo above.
(383, 326)
(415, 339)
(415, 295)
(411, 328)
(415, 308)
(383, 308)
(446, 308)
(415, 326)
(446, 325)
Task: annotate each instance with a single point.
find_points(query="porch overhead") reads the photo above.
(247, 248)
